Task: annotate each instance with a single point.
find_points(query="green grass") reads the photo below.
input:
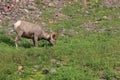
(37, 1)
(85, 55)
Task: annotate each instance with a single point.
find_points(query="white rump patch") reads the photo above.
(18, 23)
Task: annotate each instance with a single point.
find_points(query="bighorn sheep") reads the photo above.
(33, 31)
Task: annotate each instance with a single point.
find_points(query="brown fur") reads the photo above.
(34, 32)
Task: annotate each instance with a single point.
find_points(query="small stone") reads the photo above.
(60, 15)
(31, 7)
(38, 12)
(36, 67)
(45, 71)
(0, 20)
(53, 60)
(105, 17)
(17, 0)
(58, 64)
(51, 5)
(20, 69)
(70, 2)
(86, 4)
(26, 10)
(5, 9)
(52, 70)
(43, 23)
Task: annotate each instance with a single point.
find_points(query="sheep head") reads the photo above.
(53, 38)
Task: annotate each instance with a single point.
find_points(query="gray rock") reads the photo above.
(38, 12)
(53, 70)
(26, 10)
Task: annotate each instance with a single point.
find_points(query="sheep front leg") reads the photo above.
(18, 38)
(35, 41)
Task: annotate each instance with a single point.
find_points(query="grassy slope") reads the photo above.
(83, 56)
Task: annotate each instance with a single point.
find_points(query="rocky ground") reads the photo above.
(12, 10)
(26, 9)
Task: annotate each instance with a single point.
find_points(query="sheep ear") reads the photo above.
(54, 36)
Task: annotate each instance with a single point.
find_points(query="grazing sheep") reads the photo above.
(34, 32)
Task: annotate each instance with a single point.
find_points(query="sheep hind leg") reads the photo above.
(18, 38)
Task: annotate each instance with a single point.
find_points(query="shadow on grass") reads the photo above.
(29, 43)
(22, 43)
(25, 45)
(10, 42)
(7, 40)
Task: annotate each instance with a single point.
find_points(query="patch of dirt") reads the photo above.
(111, 3)
(91, 26)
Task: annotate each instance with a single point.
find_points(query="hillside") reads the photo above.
(87, 47)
